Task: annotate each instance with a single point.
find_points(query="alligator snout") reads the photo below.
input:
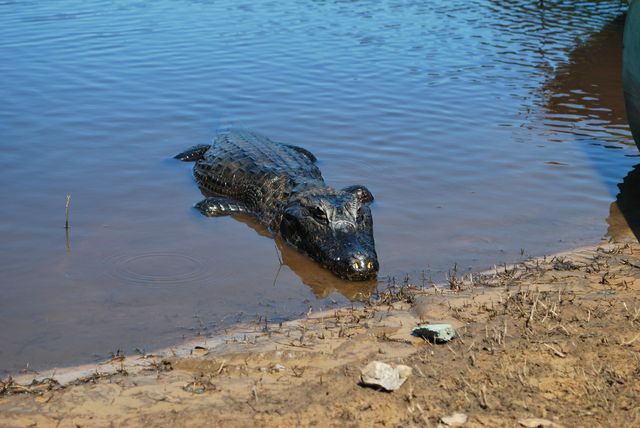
(361, 266)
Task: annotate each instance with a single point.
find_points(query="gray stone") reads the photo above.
(436, 333)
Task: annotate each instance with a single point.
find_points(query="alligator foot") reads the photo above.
(218, 206)
(193, 154)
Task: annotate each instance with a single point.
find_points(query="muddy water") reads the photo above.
(484, 129)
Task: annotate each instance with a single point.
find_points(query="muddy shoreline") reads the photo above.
(551, 341)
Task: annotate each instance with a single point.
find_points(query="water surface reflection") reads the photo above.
(321, 281)
(584, 99)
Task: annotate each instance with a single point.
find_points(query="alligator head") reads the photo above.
(335, 228)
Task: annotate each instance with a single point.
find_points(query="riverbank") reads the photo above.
(546, 342)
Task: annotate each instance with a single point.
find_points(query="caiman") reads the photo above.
(283, 188)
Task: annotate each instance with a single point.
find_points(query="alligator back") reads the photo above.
(256, 171)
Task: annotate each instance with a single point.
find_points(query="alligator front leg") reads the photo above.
(217, 206)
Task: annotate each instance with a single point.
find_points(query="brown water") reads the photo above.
(482, 127)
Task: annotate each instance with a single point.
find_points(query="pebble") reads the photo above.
(437, 333)
(380, 374)
(455, 420)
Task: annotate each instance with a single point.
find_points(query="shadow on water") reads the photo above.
(631, 69)
(624, 213)
(590, 87)
(320, 280)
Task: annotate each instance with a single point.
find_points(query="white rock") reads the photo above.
(455, 420)
(381, 374)
(404, 371)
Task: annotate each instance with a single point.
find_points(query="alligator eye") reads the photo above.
(319, 215)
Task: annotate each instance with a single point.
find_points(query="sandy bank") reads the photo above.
(555, 338)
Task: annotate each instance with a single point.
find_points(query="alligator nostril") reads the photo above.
(361, 263)
(359, 266)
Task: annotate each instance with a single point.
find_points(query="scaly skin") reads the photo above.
(282, 187)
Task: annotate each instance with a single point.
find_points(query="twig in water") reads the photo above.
(275, 278)
(66, 212)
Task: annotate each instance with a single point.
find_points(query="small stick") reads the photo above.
(483, 397)
(555, 351)
(630, 341)
(533, 311)
(627, 262)
(66, 212)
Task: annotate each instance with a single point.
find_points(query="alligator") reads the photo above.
(282, 187)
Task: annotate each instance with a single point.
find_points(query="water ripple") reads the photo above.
(154, 268)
